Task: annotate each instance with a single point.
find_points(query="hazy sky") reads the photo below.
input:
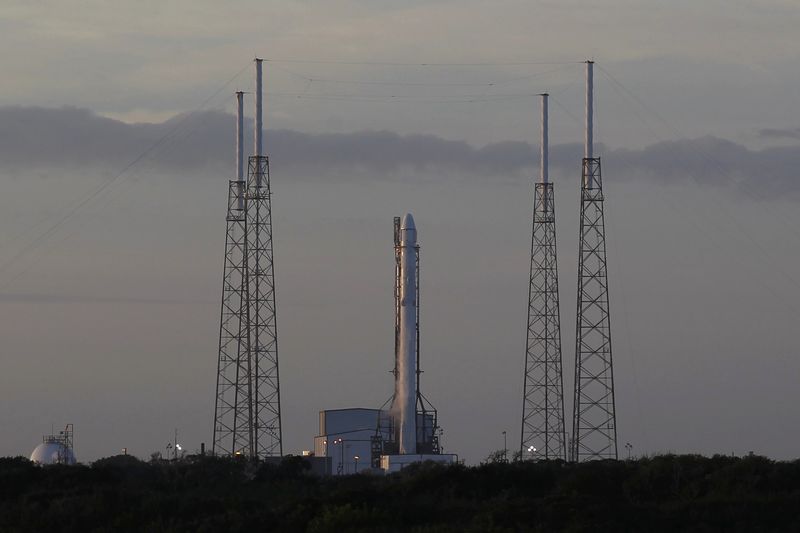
(112, 212)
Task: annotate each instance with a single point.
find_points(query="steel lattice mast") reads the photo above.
(594, 425)
(261, 312)
(261, 316)
(247, 417)
(262, 325)
(231, 420)
(543, 433)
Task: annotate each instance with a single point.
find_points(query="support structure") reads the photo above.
(261, 317)
(262, 328)
(543, 431)
(594, 424)
(232, 435)
(247, 418)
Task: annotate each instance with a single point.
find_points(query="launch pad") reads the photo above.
(405, 429)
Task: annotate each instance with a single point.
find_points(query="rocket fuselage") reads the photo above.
(406, 386)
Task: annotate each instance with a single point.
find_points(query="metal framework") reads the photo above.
(260, 312)
(66, 439)
(247, 413)
(232, 430)
(594, 425)
(543, 433)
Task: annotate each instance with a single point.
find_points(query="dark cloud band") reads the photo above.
(73, 138)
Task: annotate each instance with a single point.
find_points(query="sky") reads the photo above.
(116, 142)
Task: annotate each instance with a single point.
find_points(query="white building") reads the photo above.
(345, 436)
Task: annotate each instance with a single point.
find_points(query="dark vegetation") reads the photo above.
(664, 493)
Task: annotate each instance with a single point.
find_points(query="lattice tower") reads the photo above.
(543, 431)
(594, 423)
(261, 316)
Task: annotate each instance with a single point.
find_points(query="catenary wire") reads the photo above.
(96, 192)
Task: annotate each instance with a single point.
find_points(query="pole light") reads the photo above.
(532, 450)
(340, 467)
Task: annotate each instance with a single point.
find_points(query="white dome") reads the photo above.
(50, 453)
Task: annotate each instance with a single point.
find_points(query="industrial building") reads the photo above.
(346, 437)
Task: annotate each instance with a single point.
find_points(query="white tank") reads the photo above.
(52, 452)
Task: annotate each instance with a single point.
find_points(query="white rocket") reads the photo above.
(406, 378)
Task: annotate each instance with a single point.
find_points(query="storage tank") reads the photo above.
(55, 449)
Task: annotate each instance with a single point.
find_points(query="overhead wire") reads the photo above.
(687, 217)
(406, 64)
(438, 97)
(748, 189)
(97, 191)
(612, 242)
(742, 229)
(321, 79)
(169, 137)
(397, 98)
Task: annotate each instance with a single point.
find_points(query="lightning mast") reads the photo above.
(543, 434)
(261, 320)
(231, 419)
(247, 418)
(594, 423)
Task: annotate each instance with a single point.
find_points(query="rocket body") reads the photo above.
(406, 377)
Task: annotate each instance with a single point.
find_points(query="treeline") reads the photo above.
(663, 493)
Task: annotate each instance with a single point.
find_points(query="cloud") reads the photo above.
(772, 133)
(760, 174)
(73, 138)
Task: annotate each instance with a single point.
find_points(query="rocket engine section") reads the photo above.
(405, 407)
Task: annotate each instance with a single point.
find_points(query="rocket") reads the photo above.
(406, 377)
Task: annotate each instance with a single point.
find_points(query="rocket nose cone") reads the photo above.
(408, 222)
